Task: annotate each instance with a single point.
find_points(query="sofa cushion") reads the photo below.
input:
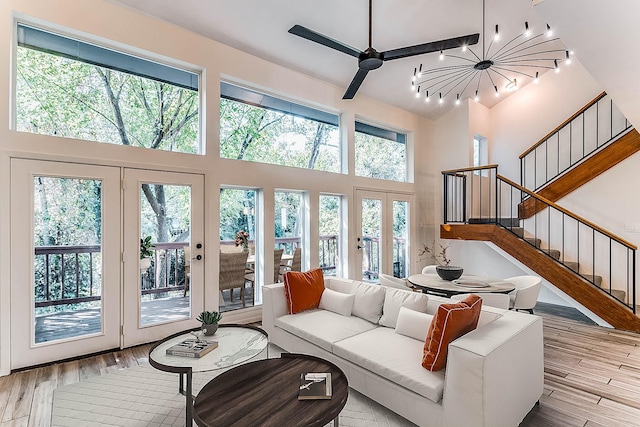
(392, 356)
(323, 327)
(337, 302)
(396, 298)
(451, 321)
(303, 289)
(413, 324)
(368, 301)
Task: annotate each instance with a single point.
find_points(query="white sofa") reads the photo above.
(493, 376)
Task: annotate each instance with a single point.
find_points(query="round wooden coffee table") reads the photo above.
(265, 393)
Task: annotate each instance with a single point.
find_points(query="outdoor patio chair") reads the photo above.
(232, 266)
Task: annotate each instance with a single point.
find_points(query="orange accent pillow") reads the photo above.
(303, 290)
(450, 322)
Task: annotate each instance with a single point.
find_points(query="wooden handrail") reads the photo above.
(475, 168)
(570, 119)
(568, 213)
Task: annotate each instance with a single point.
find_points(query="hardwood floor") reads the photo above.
(592, 379)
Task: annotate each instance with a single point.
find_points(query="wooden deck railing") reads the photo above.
(71, 274)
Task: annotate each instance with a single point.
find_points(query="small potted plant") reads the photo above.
(209, 320)
(444, 270)
(146, 253)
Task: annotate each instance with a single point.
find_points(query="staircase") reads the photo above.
(594, 298)
(590, 264)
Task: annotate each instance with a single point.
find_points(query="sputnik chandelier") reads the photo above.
(502, 66)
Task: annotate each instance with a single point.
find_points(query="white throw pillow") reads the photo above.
(396, 298)
(337, 302)
(368, 301)
(413, 324)
(393, 282)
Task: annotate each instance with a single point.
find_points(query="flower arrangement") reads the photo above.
(242, 239)
(440, 256)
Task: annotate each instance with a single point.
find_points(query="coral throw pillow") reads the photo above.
(451, 321)
(303, 290)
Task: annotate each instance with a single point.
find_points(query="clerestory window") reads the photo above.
(257, 127)
(380, 153)
(75, 89)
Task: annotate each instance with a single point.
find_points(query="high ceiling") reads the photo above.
(261, 28)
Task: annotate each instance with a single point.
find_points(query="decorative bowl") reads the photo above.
(449, 272)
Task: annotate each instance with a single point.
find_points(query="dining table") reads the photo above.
(467, 283)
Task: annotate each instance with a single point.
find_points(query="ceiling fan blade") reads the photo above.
(420, 49)
(355, 84)
(308, 34)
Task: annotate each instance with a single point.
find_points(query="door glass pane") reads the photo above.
(329, 227)
(67, 271)
(237, 217)
(371, 236)
(400, 238)
(165, 221)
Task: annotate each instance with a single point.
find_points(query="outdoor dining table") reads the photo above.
(467, 283)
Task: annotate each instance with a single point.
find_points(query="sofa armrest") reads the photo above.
(495, 374)
(274, 304)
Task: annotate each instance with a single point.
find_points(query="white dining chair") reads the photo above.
(488, 298)
(393, 282)
(429, 269)
(525, 295)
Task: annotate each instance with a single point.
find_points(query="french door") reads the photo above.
(163, 291)
(79, 281)
(383, 244)
(65, 260)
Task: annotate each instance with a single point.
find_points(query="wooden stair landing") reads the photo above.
(624, 147)
(616, 314)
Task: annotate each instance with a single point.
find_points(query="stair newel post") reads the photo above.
(633, 278)
(445, 198)
(464, 198)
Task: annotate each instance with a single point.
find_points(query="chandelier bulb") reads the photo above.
(458, 99)
(427, 99)
(567, 58)
(496, 89)
(418, 92)
(420, 69)
(477, 98)
(527, 32)
(496, 36)
(555, 65)
(441, 98)
(549, 31)
(535, 80)
(464, 47)
(441, 55)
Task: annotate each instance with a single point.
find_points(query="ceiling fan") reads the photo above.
(370, 59)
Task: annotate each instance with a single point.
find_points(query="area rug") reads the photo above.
(144, 396)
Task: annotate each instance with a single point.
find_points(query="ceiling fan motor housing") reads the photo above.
(370, 59)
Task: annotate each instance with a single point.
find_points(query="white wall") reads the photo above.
(104, 21)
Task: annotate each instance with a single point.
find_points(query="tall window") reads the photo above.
(261, 128)
(74, 89)
(480, 152)
(237, 213)
(288, 217)
(329, 225)
(380, 153)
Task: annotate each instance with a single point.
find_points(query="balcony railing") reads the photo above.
(72, 274)
(598, 256)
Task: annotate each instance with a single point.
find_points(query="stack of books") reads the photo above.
(192, 347)
(315, 385)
